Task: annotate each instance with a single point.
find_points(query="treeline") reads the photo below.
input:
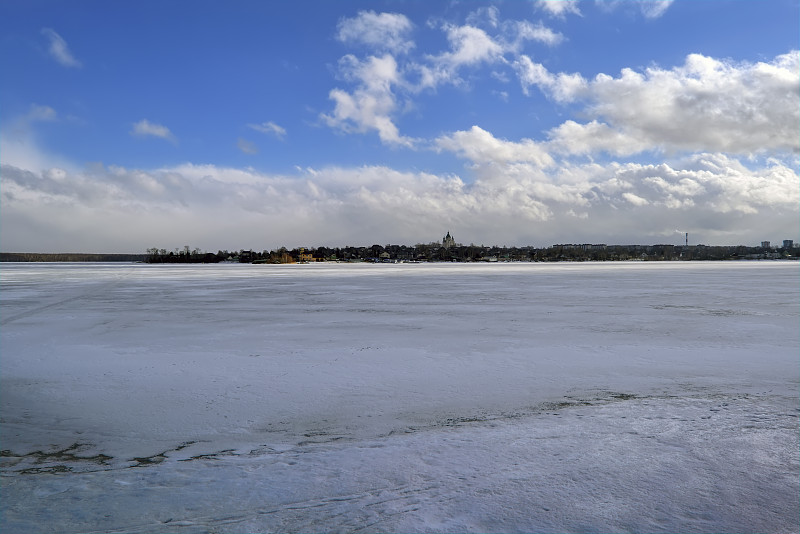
(189, 255)
(68, 257)
(434, 252)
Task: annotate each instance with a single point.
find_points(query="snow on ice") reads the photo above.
(521, 397)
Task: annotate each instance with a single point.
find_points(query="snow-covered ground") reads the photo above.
(504, 397)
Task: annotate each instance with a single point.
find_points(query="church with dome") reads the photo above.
(448, 241)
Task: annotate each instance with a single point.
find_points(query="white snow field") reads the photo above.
(605, 397)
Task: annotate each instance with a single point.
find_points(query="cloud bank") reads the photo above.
(514, 197)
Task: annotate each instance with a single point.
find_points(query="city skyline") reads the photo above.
(133, 125)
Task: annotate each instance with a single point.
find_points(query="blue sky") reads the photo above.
(127, 125)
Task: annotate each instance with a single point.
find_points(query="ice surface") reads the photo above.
(412, 397)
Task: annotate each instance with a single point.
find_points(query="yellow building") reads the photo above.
(304, 257)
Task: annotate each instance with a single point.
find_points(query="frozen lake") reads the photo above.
(621, 397)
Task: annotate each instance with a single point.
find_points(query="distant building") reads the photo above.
(448, 241)
(305, 257)
(788, 243)
(765, 244)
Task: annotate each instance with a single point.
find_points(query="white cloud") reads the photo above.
(526, 31)
(652, 9)
(484, 16)
(705, 104)
(376, 74)
(59, 50)
(480, 146)
(561, 87)
(383, 31)
(635, 199)
(572, 138)
(269, 128)
(145, 128)
(558, 8)
(469, 45)
(371, 106)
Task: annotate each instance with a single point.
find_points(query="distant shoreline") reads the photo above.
(69, 257)
(35, 257)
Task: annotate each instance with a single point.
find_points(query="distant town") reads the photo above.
(448, 250)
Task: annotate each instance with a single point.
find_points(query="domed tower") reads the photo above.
(448, 241)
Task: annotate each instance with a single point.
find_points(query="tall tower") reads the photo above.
(687, 239)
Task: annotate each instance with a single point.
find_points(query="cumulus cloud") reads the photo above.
(480, 146)
(560, 87)
(469, 45)
(635, 199)
(145, 128)
(572, 138)
(371, 106)
(59, 50)
(382, 31)
(269, 128)
(706, 104)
